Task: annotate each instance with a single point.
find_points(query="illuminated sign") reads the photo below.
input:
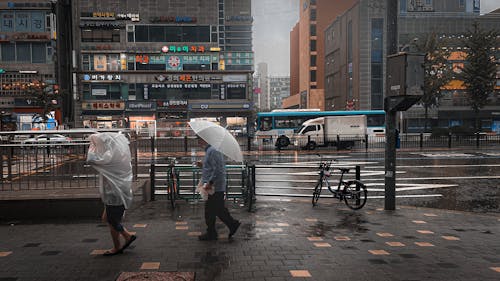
(110, 15)
(176, 19)
(103, 105)
(102, 77)
(172, 104)
(141, 106)
(192, 77)
(183, 49)
(181, 86)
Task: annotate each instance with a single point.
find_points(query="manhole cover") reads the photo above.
(156, 276)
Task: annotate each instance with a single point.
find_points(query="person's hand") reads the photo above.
(199, 164)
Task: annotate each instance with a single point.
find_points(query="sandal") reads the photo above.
(132, 239)
(109, 253)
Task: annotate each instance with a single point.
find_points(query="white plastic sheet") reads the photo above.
(109, 154)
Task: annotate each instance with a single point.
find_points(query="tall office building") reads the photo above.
(157, 63)
(279, 89)
(307, 52)
(262, 94)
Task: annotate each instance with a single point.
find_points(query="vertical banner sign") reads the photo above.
(222, 92)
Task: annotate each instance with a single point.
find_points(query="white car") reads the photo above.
(52, 138)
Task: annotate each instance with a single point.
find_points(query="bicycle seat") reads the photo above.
(344, 170)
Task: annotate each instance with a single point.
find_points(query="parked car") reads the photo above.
(52, 138)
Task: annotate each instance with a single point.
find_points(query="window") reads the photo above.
(313, 45)
(311, 128)
(39, 53)
(100, 35)
(313, 75)
(8, 52)
(313, 60)
(169, 33)
(313, 14)
(313, 30)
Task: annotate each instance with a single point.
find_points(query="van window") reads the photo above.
(310, 129)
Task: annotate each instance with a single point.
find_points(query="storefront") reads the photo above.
(142, 117)
(103, 114)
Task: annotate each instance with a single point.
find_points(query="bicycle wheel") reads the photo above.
(317, 193)
(355, 198)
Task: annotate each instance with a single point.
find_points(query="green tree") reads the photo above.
(437, 72)
(479, 71)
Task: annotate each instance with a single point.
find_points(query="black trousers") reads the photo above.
(215, 207)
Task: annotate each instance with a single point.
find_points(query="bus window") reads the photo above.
(290, 122)
(266, 124)
(375, 120)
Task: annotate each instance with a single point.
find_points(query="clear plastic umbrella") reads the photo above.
(219, 138)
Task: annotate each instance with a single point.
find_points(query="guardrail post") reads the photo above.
(477, 139)
(338, 142)
(152, 176)
(185, 144)
(249, 143)
(421, 140)
(152, 145)
(449, 140)
(358, 177)
(9, 162)
(366, 142)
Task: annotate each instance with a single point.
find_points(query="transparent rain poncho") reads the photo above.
(109, 154)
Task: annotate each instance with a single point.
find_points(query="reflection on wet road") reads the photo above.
(465, 181)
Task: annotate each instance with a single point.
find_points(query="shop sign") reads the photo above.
(183, 49)
(140, 106)
(174, 19)
(30, 36)
(99, 92)
(233, 106)
(192, 77)
(104, 118)
(128, 16)
(103, 105)
(239, 18)
(102, 77)
(236, 86)
(172, 104)
(234, 78)
(98, 15)
(181, 86)
(102, 25)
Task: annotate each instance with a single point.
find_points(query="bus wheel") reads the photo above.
(282, 141)
(311, 145)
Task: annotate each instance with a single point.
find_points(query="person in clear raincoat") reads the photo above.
(109, 154)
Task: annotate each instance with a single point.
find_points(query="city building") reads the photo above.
(262, 98)
(356, 44)
(157, 64)
(279, 89)
(307, 52)
(34, 35)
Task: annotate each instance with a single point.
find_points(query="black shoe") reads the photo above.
(207, 237)
(233, 229)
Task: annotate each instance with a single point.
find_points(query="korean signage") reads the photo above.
(181, 86)
(172, 104)
(103, 105)
(219, 106)
(110, 15)
(22, 21)
(174, 19)
(190, 77)
(26, 102)
(177, 62)
(183, 49)
(140, 106)
(102, 77)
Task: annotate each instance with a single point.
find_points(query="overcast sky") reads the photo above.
(273, 20)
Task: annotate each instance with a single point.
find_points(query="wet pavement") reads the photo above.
(280, 240)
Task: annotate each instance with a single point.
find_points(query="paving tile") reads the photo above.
(150, 265)
(395, 244)
(419, 222)
(139, 225)
(311, 220)
(4, 254)
(32, 245)
(322, 245)
(90, 240)
(377, 261)
(182, 227)
(282, 224)
(50, 253)
(450, 238)
(430, 215)
(425, 232)
(314, 238)
(194, 233)
(424, 244)
(342, 238)
(378, 252)
(97, 252)
(181, 223)
(385, 234)
(300, 273)
(276, 229)
(497, 269)
(409, 256)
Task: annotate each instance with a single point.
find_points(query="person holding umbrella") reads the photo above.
(216, 141)
(109, 154)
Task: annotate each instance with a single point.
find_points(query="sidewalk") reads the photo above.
(279, 240)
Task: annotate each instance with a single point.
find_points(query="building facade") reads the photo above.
(356, 44)
(262, 98)
(157, 64)
(307, 52)
(279, 89)
(33, 37)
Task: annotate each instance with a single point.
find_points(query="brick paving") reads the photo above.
(282, 240)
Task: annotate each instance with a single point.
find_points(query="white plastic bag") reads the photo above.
(203, 191)
(109, 154)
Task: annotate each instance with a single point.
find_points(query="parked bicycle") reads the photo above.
(353, 192)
